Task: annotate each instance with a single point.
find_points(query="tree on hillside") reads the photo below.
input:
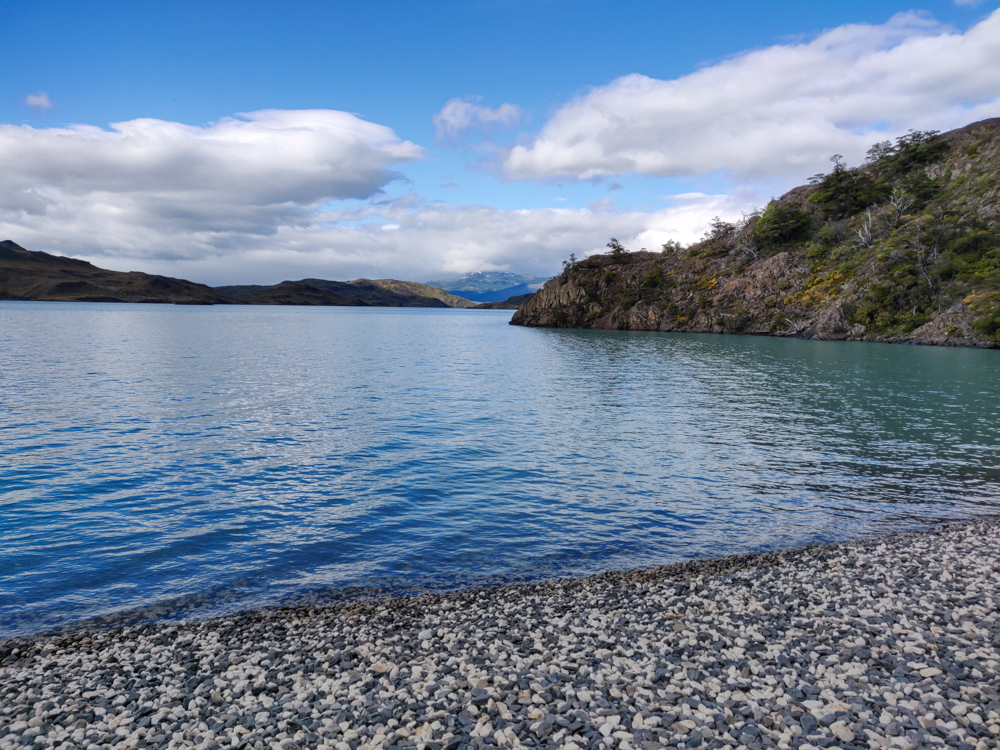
(616, 247)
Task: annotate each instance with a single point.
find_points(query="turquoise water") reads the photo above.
(196, 460)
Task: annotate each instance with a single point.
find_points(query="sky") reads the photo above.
(253, 142)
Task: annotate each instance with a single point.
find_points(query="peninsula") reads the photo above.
(905, 248)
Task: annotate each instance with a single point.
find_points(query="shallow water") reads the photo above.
(204, 459)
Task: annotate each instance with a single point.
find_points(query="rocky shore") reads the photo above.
(889, 642)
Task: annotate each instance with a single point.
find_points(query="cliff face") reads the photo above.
(904, 249)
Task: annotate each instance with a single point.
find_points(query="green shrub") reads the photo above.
(815, 252)
(653, 278)
(830, 234)
(783, 223)
(989, 326)
(779, 322)
(845, 192)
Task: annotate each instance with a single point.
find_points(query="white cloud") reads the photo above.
(968, 3)
(38, 101)
(458, 116)
(777, 111)
(250, 175)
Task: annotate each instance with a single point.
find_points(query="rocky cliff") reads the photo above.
(905, 248)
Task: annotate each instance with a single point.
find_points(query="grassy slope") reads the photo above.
(905, 248)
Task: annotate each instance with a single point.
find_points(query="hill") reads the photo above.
(905, 248)
(32, 275)
(28, 275)
(491, 286)
(361, 292)
(508, 304)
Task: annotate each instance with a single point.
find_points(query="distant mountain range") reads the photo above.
(491, 286)
(32, 275)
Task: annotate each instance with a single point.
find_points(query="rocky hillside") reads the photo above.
(905, 248)
(27, 275)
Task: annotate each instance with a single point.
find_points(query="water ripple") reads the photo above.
(199, 460)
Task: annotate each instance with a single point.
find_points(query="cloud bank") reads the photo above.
(776, 111)
(407, 238)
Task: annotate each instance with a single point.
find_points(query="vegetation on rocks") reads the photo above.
(905, 247)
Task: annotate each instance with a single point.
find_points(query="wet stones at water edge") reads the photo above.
(887, 643)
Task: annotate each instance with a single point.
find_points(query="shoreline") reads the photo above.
(883, 642)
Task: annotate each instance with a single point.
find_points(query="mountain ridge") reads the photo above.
(491, 286)
(31, 275)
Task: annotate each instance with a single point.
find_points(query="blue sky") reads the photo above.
(518, 195)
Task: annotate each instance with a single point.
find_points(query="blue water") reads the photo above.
(196, 460)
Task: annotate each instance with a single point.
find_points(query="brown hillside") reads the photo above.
(27, 275)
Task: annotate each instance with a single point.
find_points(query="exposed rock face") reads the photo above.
(832, 324)
(919, 263)
(584, 298)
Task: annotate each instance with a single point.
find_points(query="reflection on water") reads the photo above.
(247, 455)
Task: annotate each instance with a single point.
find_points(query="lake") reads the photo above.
(191, 461)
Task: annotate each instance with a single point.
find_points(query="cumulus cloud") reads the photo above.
(247, 175)
(459, 115)
(776, 111)
(38, 101)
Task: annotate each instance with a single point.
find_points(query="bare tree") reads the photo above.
(866, 234)
(922, 256)
(743, 236)
(900, 203)
(616, 247)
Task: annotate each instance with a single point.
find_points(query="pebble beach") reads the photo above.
(882, 643)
